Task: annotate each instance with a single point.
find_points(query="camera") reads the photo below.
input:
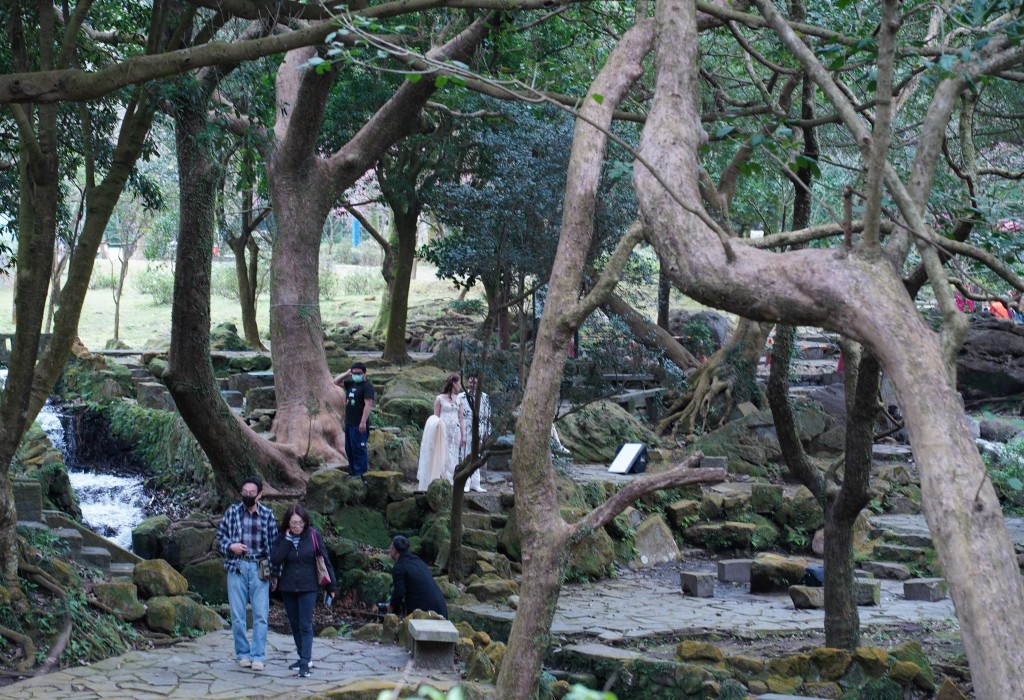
(328, 600)
(382, 608)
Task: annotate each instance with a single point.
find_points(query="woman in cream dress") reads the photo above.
(442, 437)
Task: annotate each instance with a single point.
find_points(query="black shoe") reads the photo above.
(298, 665)
(304, 674)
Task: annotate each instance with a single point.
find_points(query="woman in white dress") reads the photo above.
(442, 436)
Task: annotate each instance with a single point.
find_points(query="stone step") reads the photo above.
(71, 538)
(477, 521)
(899, 552)
(887, 570)
(482, 539)
(909, 539)
(28, 499)
(98, 557)
(122, 571)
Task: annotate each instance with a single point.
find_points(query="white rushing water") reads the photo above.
(111, 505)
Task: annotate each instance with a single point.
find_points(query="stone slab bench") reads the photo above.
(699, 584)
(734, 570)
(433, 643)
(927, 589)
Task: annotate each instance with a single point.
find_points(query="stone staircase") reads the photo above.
(83, 545)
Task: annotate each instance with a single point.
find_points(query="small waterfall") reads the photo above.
(112, 505)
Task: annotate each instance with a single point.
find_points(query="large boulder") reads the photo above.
(409, 398)
(121, 597)
(148, 536)
(38, 459)
(209, 579)
(654, 543)
(393, 452)
(224, 336)
(158, 578)
(991, 360)
(591, 558)
(93, 379)
(189, 544)
(750, 443)
(177, 614)
(774, 572)
(363, 525)
(596, 432)
(329, 491)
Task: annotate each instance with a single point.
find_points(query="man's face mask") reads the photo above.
(249, 501)
(357, 378)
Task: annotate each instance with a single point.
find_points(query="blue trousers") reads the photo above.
(355, 450)
(299, 607)
(244, 588)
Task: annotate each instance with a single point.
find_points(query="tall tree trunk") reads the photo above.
(118, 294)
(246, 252)
(310, 408)
(39, 191)
(234, 450)
(664, 295)
(406, 222)
(653, 337)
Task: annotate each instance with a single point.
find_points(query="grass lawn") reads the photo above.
(143, 321)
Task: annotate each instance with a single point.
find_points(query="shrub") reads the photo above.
(329, 283)
(158, 282)
(359, 282)
(468, 307)
(103, 277)
(224, 281)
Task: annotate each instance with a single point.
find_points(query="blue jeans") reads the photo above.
(246, 587)
(355, 450)
(299, 607)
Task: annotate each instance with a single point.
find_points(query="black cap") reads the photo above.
(359, 365)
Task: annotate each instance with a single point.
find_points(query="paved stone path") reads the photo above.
(916, 525)
(640, 604)
(205, 668)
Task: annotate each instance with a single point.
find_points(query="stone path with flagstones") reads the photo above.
(206, 668)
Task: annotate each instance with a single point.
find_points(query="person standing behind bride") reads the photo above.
(442, 436)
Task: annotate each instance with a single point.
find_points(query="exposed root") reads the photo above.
(27, 645)
(58, 647)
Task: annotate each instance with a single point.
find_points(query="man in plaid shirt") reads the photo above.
(246, 535)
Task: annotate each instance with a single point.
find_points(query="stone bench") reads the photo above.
(929, 590)
(700, 584)
(433, 643)
(734, 570)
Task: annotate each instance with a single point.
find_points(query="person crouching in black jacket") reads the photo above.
(414, 587)
(295, 555)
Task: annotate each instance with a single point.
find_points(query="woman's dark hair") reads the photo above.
(449, 383)
(298, 510)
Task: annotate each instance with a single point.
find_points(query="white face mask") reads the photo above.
(357, 378)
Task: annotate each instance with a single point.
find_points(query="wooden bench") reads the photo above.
(650, 397)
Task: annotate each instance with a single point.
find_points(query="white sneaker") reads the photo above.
(257, 665)
(480, 489)
(244, 663)
(467, 489)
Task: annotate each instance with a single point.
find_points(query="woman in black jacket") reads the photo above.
(295, 556)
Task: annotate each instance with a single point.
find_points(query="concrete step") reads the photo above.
(72, 538)
(887, 570)
(899, 552)
(98, 557)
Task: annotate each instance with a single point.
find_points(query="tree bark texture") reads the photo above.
(862, 297)
(543, 532)
(395, 351)
(234, 450)
(653, 337)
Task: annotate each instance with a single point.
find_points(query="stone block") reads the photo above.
(72, 538)
(714, 463)
(807, 597)
(250, 380)
(96, 557)
(234, 399)
(154, 395)
(926, 589)
(28, 499)
(900, 553)
(869, 591)
(700, 584)
(433, 643)
(887, 570)
(734, 570)
(773, 572)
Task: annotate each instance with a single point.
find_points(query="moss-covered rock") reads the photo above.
(439, 496)
(158, 578)
(745, 665)
(177, 614)
(409, 397)
(224, 336)
(381, 486)
(911, 651)
(773, 572)
(822, 690)
(209, 579)
(38, 459)
(370, 632)
(363, 525)
(121, 597)
(691, 650)
(435, 536)
(801, 511)
(653, 543)
(765, 498)
(394, 453)
(721, 537)
(92, 379)
(682, 513)
(369, 587)
(329, 491)
(831, 663)
(873, 660)
(148, 536)
(591, 557)
(794, 665)
(595, 432)
(493, 590)
(405, 514)
(189, 544)
(62, 572)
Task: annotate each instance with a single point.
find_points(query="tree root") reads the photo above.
(25, 643)
(57, 649)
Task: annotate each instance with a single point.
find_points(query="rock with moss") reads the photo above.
(493, 590)
(370, 632)
(363, 525)
(120, 597)
(158, 578)
(872, 660)
(435, 536)
(409, 397)
(591, 557)
(830, 663)
(189, 544)
(149, 535)
(381, 486)
(62, 572)
(801, 512)
(404, 515)
(91, 378)
(595, 433)
(721, 537)
(209, 579)
(653, 543)
(330, 491)
(765, 498)
(439, 496)
(773, 572)
(224, 336)
(38, 459)
(691, 650)
(912, 652)
(394, 453)
(178, 614)
(250, 363)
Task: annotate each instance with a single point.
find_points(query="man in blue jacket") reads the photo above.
(414, 587)
(246, 536)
